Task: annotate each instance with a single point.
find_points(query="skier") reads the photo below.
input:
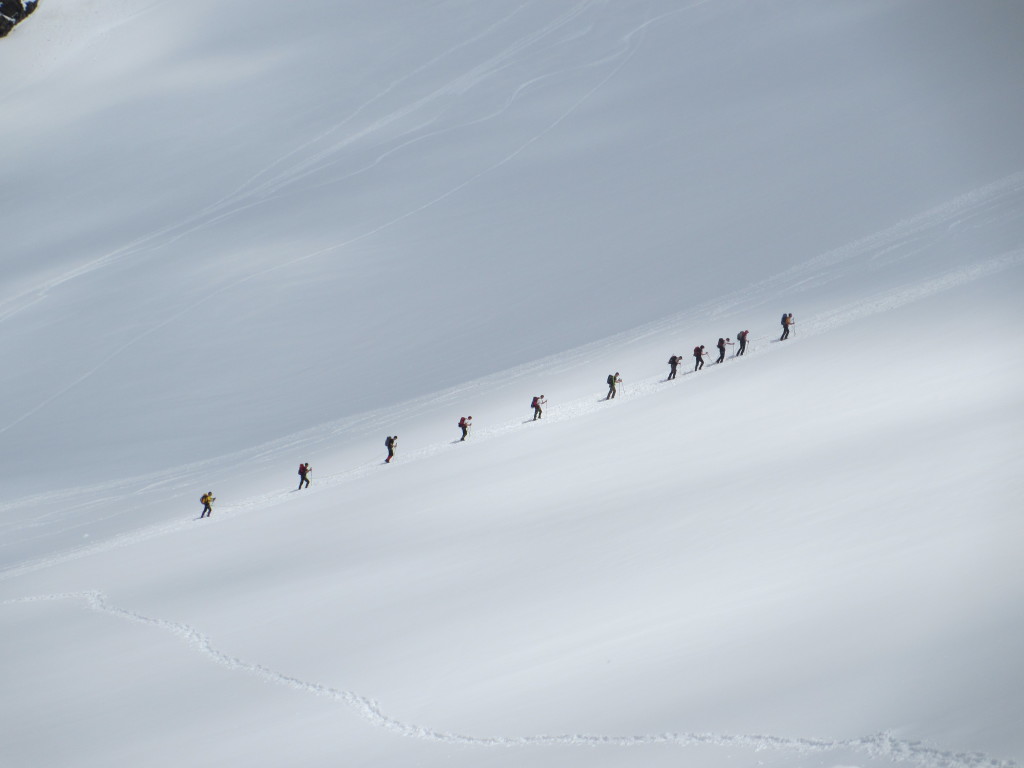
(391, 443)
(698, 355)
(741, 337)
(464, 424)
(673, 363)
(207, 500)
(787, 321)
(538, 410)
(304, 472)
(613, 385)
(722, 344)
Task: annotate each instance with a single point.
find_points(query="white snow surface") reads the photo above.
(237, 236)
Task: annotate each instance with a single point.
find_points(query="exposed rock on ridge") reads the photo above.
(13, 12)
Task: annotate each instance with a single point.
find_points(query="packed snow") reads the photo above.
(240, 236)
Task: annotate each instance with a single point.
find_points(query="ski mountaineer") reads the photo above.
(722, 343)
(673, 363)
(464, 424)
(613, 385)
(391, 443)
(698, 355)
(741, 337)
(787, 321)
(537, 405)
(207, 500)
(304, 472)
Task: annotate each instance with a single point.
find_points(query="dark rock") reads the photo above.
(14, 11)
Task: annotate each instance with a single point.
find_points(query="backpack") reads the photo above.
(534, 403)
(611, 379)
(697, 352)
(462, 421)
(387, 441)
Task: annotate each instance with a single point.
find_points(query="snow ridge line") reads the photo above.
(881, 745)
(879, 246)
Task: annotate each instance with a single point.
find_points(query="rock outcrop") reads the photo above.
(12, 12)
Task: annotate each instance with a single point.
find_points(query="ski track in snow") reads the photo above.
(878, 746)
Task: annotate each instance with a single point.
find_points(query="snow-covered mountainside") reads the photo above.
(236, 239)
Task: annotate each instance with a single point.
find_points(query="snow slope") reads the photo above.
(235, 241)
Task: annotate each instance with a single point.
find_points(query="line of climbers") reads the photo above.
(538, 402)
